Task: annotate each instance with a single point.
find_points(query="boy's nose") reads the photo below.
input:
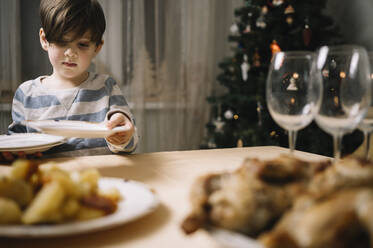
(70, 52)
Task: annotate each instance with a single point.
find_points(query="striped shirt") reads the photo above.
(94, 100)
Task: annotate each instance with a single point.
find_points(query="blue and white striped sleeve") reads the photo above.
(118, 103)
(17, 113)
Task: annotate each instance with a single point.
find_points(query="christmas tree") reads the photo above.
(262, 28)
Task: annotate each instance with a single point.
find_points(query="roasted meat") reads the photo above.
(289, 203)
(250, 199)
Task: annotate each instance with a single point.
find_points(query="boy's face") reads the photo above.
(71, 59)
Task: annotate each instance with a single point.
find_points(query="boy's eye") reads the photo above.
(84, 44)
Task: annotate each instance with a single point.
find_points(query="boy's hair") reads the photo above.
(59, 17)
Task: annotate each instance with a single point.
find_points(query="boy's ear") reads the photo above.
(43, 41)
(98, 48)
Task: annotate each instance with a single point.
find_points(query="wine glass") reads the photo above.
(293, 91)
(366, 125)
(345, 90)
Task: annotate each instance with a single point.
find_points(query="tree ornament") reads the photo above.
(275, 48)
(234, 29)
(235, 116)
(273, 134)
(211, 143)
(239, 143)
(245, 67)
(292, 85)
(260, 22)
(219, 124)
(289, 10)
(247, 29)
(256, 59)
(325, 73)
(307, 33)
(228, 114)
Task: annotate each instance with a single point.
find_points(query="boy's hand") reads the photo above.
(10, 157)
(119, 119)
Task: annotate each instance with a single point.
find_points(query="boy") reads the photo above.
(72, 33)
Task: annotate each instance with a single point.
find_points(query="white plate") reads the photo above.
(137, 201)
(29, 142)
(77, 129)
(229, 239)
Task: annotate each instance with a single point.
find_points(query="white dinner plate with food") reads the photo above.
(229, 239)
(76, 129)
(136, 201)
(29, 142)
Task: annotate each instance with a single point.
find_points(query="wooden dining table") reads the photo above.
(170, 175)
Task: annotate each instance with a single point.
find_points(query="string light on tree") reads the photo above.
(259, 109)
(307, 33)
(277, 2)
(289, 20)
(275, 48)
(239, 143)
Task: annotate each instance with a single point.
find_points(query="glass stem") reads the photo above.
(367, 144)
(337, 143)
(292, 140)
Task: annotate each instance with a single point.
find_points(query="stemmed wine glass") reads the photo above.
(366, 125)
(293, 91)
(345, 90)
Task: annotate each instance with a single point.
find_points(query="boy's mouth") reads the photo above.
(69, 64)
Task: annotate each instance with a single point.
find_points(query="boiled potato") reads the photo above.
(23, 169)
(18, 190)
(33, 194)
(64, 179)
(45, 204)
(87, 182)
(9, 211)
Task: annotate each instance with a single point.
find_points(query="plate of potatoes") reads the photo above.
(46, 201)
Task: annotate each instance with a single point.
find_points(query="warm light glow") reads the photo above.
(235, 117)
(342, 74)
(295, 75)
(336, 100)
(371, 76)
(292, 100)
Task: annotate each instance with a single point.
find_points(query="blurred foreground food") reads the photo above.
(35, 194)
(289, 203)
